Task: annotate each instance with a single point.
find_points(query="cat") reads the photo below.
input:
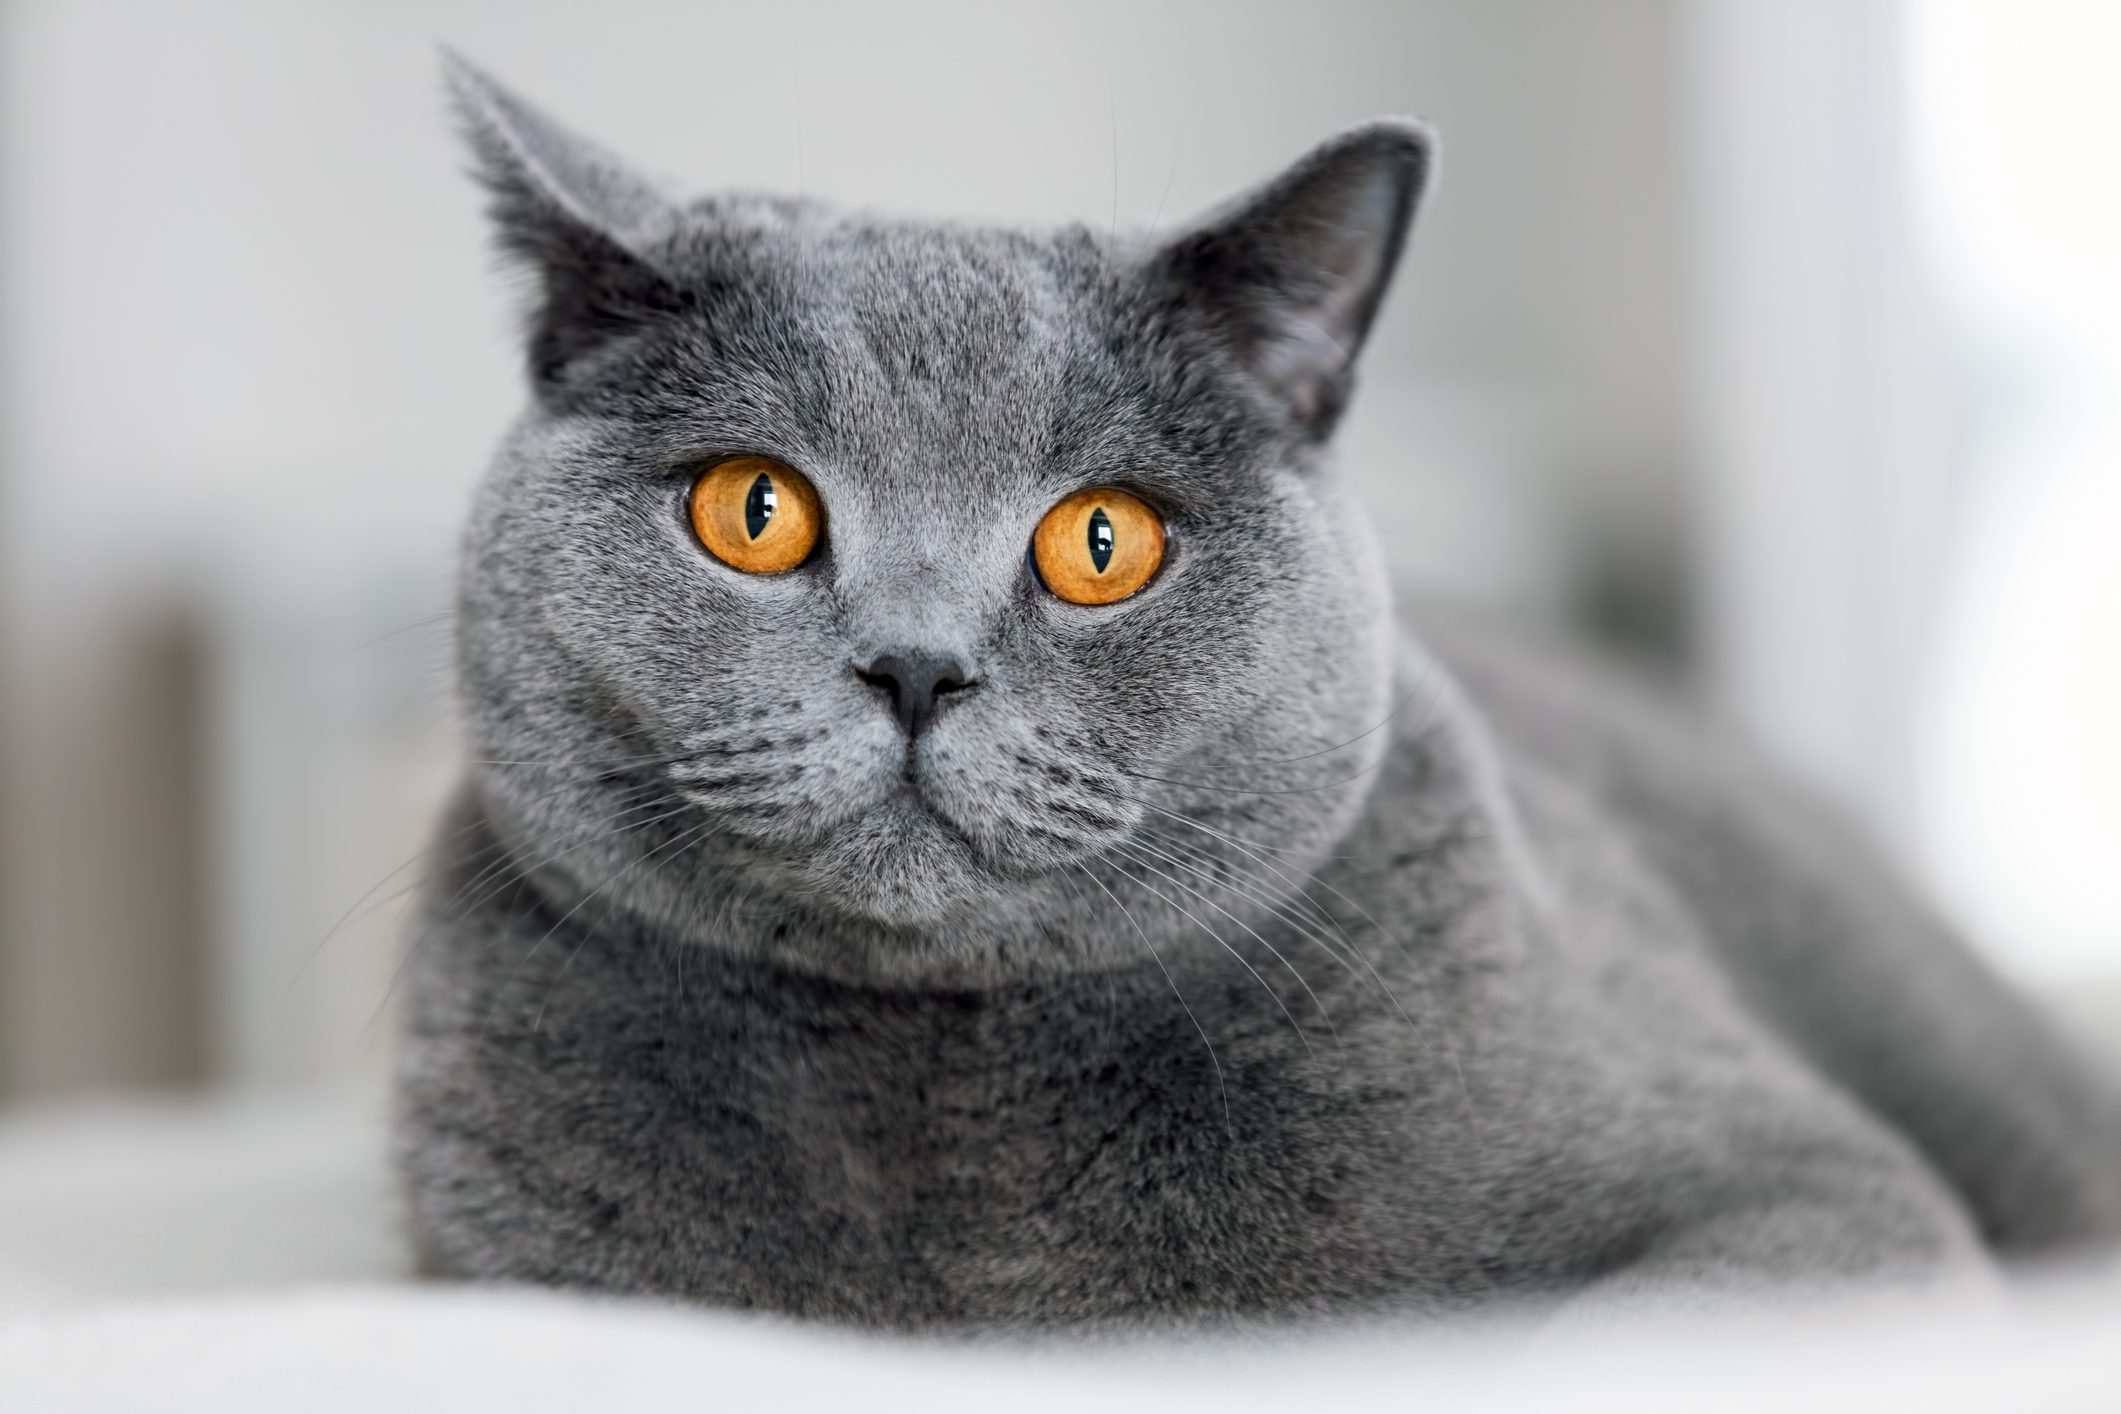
(843, 916)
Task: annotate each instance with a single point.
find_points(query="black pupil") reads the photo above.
(1100, 539)
(760, 505)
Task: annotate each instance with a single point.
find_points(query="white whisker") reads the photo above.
(1223, 1084)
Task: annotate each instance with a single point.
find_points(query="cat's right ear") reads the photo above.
(1291, 274)
(583, 226)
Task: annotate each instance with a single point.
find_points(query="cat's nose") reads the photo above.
(916, 683)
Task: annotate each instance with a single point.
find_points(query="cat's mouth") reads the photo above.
(903, 861)
(926, 835)
(907, 805)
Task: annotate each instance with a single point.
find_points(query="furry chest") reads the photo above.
(958, 1202)
(907, 1177)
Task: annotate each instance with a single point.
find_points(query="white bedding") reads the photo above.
(241, 1256)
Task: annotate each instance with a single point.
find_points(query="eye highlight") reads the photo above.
(756, 515)
(1098, 546)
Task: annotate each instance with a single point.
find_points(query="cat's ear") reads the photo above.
(583, 226)
(1293, 272)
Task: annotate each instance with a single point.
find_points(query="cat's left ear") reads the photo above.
(1293, 272)
(577, 219)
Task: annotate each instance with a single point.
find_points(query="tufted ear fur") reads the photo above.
(584, 226)
(1293, 272)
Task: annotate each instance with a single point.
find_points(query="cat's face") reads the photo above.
(909, 725)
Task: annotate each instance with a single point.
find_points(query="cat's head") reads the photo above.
(758, 612)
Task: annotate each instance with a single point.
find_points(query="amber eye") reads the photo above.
(1098, 546)
(757, 515)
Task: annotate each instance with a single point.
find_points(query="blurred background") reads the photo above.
(1774, 341)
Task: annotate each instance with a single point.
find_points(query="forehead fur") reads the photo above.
(806, 330)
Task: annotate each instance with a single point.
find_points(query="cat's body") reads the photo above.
(1217, 953)
(1520, 1102)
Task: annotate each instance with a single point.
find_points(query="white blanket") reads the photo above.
(239, 1257)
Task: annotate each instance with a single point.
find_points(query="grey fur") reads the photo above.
(1240, 955)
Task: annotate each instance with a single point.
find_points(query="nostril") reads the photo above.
(881, 679)
(915, 683)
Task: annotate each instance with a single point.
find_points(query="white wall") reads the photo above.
(2015, 118)
(1904, 303)
(1822, 481)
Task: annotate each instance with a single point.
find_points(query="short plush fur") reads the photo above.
(1232, 951)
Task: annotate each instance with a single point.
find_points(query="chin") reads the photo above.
(901, 864)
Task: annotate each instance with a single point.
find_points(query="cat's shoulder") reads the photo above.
(1644, 753)
(1574, 706)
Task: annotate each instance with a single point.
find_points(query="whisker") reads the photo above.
(388, 634)
(1376, 979)
(1384, 757)
(499, 867)
(1239, 790)
(499, 872)
(683, 838)
(1294, 1025)
(1169, 178)
(1450, 1050)
(659, 810)
(1083, 905)
(1235, 838)
(613, 736)
(1385, 721)
(588, 765)
(353, 908)
(1278, 905)
(1141, 849)
(309, 960)
(1287, 898)
(1229, 1125)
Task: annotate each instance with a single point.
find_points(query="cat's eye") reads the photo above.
(757, 515)
(1098, 546)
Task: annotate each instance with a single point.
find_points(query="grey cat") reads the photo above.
(891, 940)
